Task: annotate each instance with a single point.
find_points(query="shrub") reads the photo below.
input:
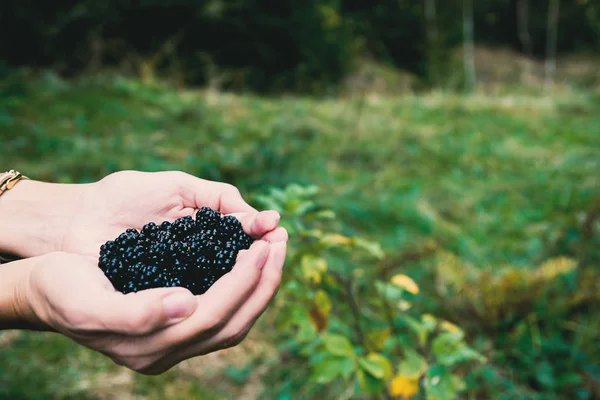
(347, 320)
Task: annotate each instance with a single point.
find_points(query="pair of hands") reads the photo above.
(152, 330)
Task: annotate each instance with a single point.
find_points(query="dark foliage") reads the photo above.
(267, 46)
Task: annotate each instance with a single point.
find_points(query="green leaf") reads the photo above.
(306, 333)
(269, 203)
(450, 349)
(389, 291)
(377, 365)
(302, 208)
(294, 315)
(299, 315)
(285, 394)
(239, 375)
(333, 367)
(325, 214)
(429, 322)
(372, 248)
(417, 327)
(370, 384)
(568, 379)
(545, 374)
(338, 345)
(440, 384)
(413, 365)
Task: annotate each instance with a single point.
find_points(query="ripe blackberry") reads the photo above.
(207, 217)
(150, 230)
(182, 226)
(186, 252)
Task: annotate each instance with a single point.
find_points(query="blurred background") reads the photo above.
(437, 164)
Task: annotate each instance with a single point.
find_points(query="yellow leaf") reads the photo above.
(323, 302)
(313, 268)
(405, 283)
(336, 239)
(320, 310)
(376, 339)
(553, 268)
(428, 318)
(404, 387)
(449, 326)
(429, 322)
(404, 305)
(330, 280)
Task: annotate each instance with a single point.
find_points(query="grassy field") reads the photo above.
(501, 181)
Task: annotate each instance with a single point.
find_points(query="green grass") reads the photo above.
(461, 164)
(497, 180)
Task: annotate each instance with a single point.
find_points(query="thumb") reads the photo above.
(145, 311)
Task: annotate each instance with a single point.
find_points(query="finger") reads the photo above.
(247, 315)
(216, 306)
(135, 313)
(226, 294)
(258, 224)
(278, 235)
(238, 327)
(224, 197)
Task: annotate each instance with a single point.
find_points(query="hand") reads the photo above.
(150, 331)
(43, 217)
(131, 199)
(155, 329)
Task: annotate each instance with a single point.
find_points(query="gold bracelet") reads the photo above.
(10, 179)
(7, 181)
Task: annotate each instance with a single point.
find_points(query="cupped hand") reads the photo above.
(60, 228)
(155, 329)
(131, 199)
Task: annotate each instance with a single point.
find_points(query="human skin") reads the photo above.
(39, 217)
(57, 286)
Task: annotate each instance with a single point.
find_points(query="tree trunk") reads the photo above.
(551, 34)
(468, 46)
(433, 49)
(432, 34)
(524, 36)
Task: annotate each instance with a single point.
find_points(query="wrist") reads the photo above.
(35, 216)
(16, 311)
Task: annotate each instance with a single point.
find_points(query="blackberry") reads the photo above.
(150, 230)
(190, 253)
(230, 224)
(182, 226)
(206, 217)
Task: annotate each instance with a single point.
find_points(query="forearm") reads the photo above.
(15, 312)
(34, 217)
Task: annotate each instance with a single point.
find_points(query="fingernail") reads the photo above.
(274, 217)
(277, 217)
(179, 305)
(280, 249)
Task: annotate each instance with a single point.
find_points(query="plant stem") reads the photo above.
(354, 308)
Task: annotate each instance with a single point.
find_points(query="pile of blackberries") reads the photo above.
(186, 253)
